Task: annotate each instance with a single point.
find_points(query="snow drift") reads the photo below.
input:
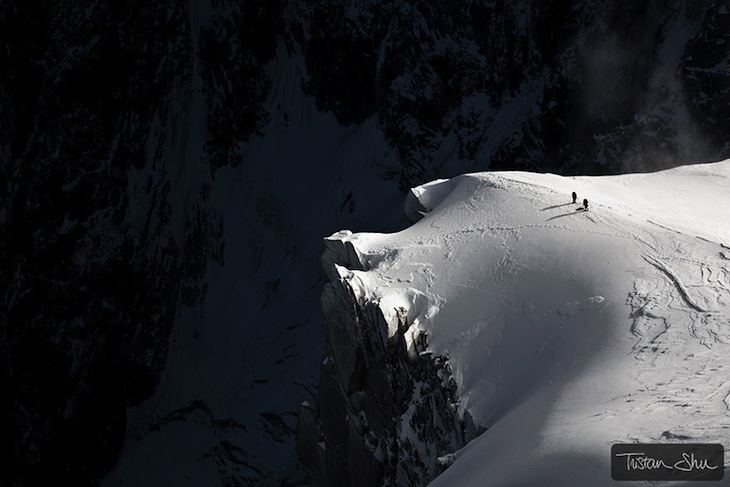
(560, 331)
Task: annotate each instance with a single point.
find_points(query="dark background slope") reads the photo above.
(90, 296)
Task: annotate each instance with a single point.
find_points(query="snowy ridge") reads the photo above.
(398, 403)
(564, 330)
(404, 308)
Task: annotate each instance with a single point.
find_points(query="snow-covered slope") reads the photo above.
(566, 331)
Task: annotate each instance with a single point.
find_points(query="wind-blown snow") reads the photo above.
(566, 330)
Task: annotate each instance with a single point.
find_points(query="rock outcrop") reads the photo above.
(386, 413)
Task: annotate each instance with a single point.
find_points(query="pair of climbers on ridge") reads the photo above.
(585, 201)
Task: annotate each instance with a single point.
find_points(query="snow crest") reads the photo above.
(568, 329)
(406, 310)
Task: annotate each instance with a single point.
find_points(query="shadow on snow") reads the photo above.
(577, 210)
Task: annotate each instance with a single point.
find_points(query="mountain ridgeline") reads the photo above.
(121, 124)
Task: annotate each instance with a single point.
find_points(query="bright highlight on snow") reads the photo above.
(566, 330)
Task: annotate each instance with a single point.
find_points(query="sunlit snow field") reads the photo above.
(566, 330)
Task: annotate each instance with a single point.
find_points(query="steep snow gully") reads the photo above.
(508, 315)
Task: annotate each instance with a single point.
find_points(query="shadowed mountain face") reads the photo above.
(585, 88)
(117, 122)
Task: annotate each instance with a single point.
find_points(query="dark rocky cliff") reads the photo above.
(581, 87)
(384, 414)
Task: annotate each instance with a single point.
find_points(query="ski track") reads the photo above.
(662, 266)
(665, 309)
(696, 397)
(679, 321)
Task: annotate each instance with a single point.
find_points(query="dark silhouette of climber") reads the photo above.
(575, 197)
(585, 204)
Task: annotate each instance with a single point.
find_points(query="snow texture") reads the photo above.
(566, 330)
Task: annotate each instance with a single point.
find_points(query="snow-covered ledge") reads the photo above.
(560, 330)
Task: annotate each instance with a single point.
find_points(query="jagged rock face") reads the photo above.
(383, 416)
(706, 76)
(233, 50)
(101, 242)
(581, 87)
